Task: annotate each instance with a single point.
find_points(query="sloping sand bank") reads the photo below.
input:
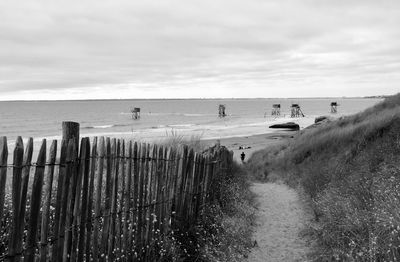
(281, 218)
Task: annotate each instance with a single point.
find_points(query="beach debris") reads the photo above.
(334, 106)
(289, 125)
(296, 111)
(135, 113)
(276, 110)
(221, 111)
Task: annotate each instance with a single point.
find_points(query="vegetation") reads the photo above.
(174, 139)
(225, 233)
(350, 169)
(225, 230)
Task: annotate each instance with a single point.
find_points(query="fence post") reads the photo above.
(70, 130)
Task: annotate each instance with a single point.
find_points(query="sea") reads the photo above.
(161, 119)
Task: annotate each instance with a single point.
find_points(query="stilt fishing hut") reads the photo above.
(221, 111)
(296, 111)
(135, 113)
(334, 106)
(276, 110)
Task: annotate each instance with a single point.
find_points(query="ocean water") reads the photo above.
(159, 118)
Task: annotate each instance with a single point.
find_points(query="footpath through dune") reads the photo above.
(281, 219)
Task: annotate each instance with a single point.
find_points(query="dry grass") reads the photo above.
(225, 232)
(174, 140)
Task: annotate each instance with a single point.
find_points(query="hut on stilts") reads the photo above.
(135, 113)
(276, 110)
(296, 111)
(334, 106)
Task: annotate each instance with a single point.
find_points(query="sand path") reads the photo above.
(281, 217)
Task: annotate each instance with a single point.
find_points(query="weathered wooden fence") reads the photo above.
(114, 200)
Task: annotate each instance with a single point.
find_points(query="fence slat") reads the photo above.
(107, 200)
(159, 184)
(47, 202)
(136, 197)
(59, 233)
(171, 167)
(161, 193)
(69, 199)
(35, 204)
(120, 199)
(152, 182)
(141, 197)
(127, 203)
(200, 203)
(114, 197)
(93, 159)
(16, 196)
(184, 212)
(81, 209)
(73, 230)
(193, 187)
(3, 175)
(26, 169)
(97, 208)
(148, 198)
(180, 182)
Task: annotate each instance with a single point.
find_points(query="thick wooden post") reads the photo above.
(70, 130)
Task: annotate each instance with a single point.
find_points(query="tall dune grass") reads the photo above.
(174, 139)
(351, 170)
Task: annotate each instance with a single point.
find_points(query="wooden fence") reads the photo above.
(114, 200)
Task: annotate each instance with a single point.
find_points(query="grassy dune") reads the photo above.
(350, 168)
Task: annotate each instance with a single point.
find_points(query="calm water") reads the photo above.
(159, 117)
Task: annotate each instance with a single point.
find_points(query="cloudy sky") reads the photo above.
(198, 48)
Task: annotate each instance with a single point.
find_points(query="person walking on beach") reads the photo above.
(242, 156)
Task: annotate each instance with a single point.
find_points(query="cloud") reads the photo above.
(219, 48)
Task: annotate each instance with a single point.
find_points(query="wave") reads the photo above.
(181, 125)
(98, 127)
(169, 114)
(105, 126)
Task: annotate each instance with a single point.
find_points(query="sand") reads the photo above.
(281, 217)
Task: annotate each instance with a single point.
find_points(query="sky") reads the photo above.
(198, 49)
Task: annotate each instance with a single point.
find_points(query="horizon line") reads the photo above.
(217, 98)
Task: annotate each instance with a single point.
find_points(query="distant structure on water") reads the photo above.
(276, 110)
(296, 111)
(135, 113)
(334, 106)
(221, 111)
